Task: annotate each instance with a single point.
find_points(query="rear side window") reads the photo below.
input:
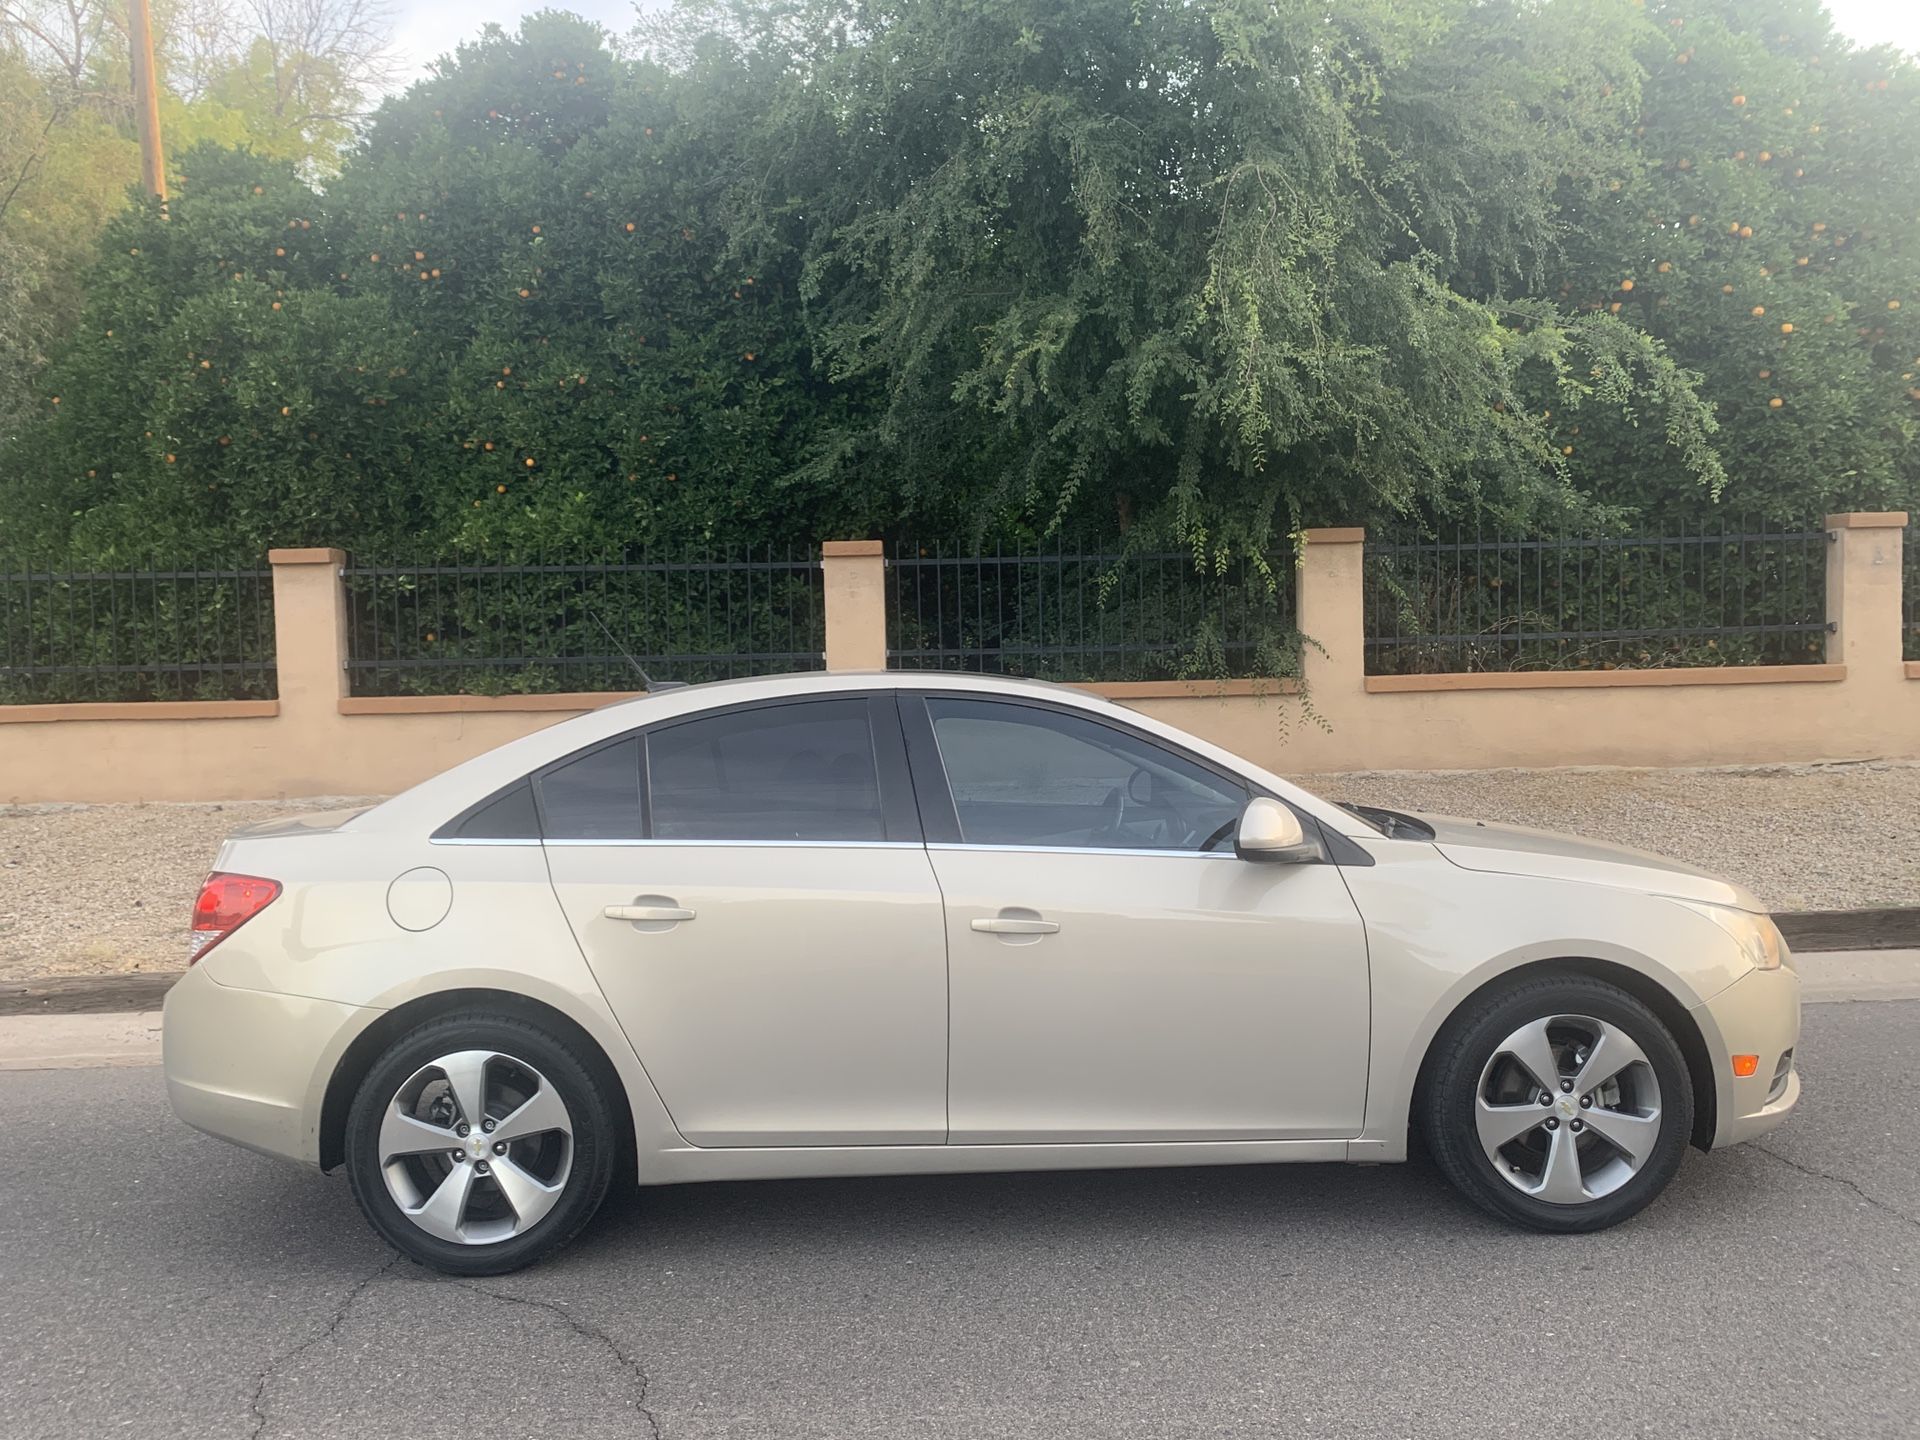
(781, 772)
(595, 796)
(507, 816)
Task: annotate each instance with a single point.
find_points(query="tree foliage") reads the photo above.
(1191, 273)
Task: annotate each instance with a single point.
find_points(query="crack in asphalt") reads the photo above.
(1877, 1204)
(592, 1332)
(256, 1404)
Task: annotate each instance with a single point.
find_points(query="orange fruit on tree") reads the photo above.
(1775, 403)
(1787, 328)
(1758, 310)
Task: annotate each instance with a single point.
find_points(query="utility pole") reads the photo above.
(146, 102)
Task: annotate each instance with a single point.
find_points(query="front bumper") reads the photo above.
(1758, 1014)
(251, 1066)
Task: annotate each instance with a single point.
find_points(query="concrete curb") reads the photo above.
(79, 1042)
(1809, 932)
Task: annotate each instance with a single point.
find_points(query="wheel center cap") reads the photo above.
(477, 1145)
(1567, 1106)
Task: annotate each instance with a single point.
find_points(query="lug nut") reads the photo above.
(482, 1168)
(461, 1131)
(1586, 1102)
(499, 1147)
(1576, 1126)
(1552, 1124)
(1545, 1098)
(459, 1156)
(1567, 1085)
(487, 1125)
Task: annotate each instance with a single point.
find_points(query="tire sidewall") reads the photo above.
(1457, 1088)
(587, 1107)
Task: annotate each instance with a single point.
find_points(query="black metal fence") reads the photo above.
(1060, 615)
(1739, 594)
(484, 628)
(137, 633)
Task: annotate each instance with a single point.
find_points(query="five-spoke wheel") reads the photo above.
(1562, 1103)
(1568, 1109)
(477, 1143)
(476, 1147)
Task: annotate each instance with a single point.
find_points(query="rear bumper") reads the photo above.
(1758, 1014)
(251, 1066)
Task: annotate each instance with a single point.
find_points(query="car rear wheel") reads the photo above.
(1560, 1104)
(478, 1144)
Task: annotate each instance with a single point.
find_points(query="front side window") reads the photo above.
(1025, 776)
(803, 772)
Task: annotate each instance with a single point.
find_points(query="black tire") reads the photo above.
(584, 1087)
(1450, 1086)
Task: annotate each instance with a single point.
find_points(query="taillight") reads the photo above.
(226, 903)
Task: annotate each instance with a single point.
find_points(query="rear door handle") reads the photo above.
(1005, 925)
(667, 913)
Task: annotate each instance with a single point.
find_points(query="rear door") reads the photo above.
(750, 889)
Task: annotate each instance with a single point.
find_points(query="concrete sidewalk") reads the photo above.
(86, 1041)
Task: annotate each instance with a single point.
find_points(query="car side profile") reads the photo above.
(862, 924)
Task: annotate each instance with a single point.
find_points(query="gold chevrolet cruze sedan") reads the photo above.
(896, 923)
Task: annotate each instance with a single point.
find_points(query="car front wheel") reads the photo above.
(1561, 1104)
(477, 1144)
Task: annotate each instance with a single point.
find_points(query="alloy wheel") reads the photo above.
(476, 1147)
(1568, 1109)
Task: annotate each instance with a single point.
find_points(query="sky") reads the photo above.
(427, 29)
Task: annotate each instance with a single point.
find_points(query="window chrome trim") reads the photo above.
(479, 840)
(748, 844)
(1089, 850)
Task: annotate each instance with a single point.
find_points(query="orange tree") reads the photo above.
(1764, 226)
(1198, 273)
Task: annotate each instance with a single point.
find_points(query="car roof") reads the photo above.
(430, 804)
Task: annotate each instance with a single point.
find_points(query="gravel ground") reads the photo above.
(1802, 837)
(107, 889)
(98, 889)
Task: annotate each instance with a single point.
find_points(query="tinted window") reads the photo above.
(1026, 776)
(507, 816)
(594, 797)
(782, 772)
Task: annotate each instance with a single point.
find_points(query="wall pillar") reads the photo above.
(855, 581)
(310, 654)
(1863, 593)
(1331, 606)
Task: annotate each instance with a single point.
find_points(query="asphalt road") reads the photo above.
(157, 1283)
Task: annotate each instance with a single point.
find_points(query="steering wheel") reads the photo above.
(1113, 814)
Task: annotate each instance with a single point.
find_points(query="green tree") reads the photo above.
(1190, 272)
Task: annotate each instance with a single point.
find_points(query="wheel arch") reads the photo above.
(366, 1047)
(1666, 1006)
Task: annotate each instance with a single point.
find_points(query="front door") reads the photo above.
(750, 891)
(1116, 974)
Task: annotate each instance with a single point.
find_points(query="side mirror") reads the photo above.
(1271, 832)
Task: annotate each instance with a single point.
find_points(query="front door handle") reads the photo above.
(669, 913)
(1008, 925)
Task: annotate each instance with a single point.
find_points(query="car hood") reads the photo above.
(1516, 850)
